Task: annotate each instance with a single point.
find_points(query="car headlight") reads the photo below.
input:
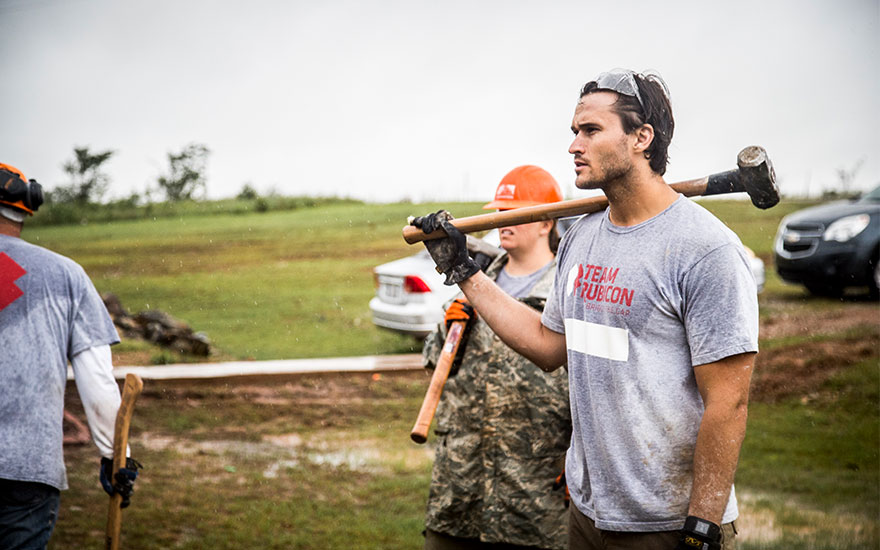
(846, 228)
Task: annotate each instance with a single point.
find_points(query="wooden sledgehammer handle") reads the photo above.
(529, 214)
(419, 432)
(754, 175)
(130, 391)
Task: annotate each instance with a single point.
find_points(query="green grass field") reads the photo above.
(326, 462)
(273, 285)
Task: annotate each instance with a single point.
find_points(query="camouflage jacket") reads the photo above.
(503, 426)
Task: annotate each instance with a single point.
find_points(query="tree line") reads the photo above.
(185, 178)
(183, 184)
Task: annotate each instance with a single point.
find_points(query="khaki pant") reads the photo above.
(583, 535)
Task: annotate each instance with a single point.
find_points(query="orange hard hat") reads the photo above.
(16, 191)
(525, 186)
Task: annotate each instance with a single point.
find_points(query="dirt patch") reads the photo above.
(827, 337)
(759, 523)
(311, 391)
(801, 369)
(337, 391)
(280, 452)
(757, 526)
(789, 317)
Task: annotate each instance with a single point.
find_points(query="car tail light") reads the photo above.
(415, 285)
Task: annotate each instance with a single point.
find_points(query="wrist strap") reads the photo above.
(703, 527)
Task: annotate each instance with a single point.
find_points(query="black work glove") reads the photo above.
(449, 253)
(699, 534)
(123, 480)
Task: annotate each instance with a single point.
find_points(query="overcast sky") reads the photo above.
(420, 100)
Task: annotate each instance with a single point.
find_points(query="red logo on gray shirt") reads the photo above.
(596, 283)
(9, 272)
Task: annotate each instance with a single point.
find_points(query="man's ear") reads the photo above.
(644, 138)
(546, 227)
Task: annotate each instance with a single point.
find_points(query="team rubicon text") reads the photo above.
(595, 283)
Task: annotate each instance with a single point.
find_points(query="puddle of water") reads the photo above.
(272, 471)
(353, 459)
(291, 450)
(290, 441)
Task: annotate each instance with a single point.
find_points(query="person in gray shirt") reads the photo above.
(50, 313)
(655, 311)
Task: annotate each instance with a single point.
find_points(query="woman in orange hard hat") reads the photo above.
(503, 426)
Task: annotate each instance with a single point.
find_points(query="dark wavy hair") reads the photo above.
(657, 113)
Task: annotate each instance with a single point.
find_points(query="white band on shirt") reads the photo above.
(597, 340)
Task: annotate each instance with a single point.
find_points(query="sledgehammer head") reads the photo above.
(757, 176)
(754, 176)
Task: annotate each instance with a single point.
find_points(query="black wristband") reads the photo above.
(699, 534)
(702, 527)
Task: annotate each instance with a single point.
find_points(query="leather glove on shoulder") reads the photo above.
(699, 534)
(123, 480)
(449, 253)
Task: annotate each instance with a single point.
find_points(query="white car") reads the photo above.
(410, 294)
(757, 265)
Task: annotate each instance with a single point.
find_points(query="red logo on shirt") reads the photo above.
(9, 272)
(596, 283)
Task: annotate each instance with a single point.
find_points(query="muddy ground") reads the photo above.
(802, 348)
(270, 427)
(783, 369)
(805, 346)
(794, 362)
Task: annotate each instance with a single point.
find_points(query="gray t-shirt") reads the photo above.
(519, 286)
(49, 312)
(640, 307)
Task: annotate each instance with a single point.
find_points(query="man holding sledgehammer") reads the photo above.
(655, 312)
(50, 313)
(503, 424)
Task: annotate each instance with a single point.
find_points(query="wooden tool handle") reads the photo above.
(130, 391)
(529, 214)
(419, 432)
